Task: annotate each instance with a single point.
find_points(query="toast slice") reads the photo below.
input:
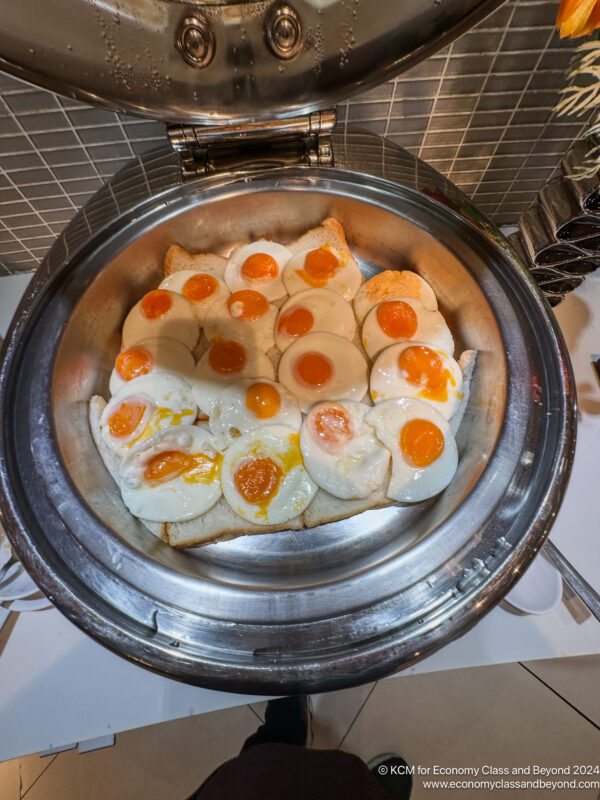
(177, 259)
(330, 232)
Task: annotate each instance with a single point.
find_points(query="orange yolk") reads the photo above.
(296, 321)
(155, 304)
(259, 266)
(331, 424)
(133, 362)
(227, 357)
(199, 287)
(422, 366)
(166, 466)
(320, 266)
(125, 418)
(247, 304)
(397, 319)
(421, 442)
(257, 479)
(313, 369)
(263, 400)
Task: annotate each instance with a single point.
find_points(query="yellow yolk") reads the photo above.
(313, 369)
(259, 266)
(320, 266)
(125, 418)
(155, 304)
(247, 305)
(133, 362)
(421, 442)
(296, 321)
(227, 357)
(196, 468)
(257, 480)
(200, 287)
(422, 366)
(397, 319)
(331, 425)
(263, 400)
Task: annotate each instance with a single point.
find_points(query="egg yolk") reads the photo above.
(422, 366)
(247, 305)
(320, 266)
(397, 319)
(200, 287)
(227, 357)
(133, 362)
(331, 424)
(259, 266)
(155, 304)
(296, 321)
(263, 400)
(314, 369)
(125, 418)
(257, 479)
(421, 442)
(196, 468)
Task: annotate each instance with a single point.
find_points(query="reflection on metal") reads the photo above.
(283, 31)
(196, 41)
(301, 611)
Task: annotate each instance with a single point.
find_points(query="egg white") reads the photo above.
(177, 281)
(354, 471)
(219, 322)
(296, 488)
(349, 380)
(272, 288)
(389, 284)
(168, 355)
(179, 322)
(388, 381)
(431, 328)
(176, 500)
(411, 484)
(331, 314)
(207, 383)
(346, 281)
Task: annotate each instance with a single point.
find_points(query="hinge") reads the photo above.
(208, 150)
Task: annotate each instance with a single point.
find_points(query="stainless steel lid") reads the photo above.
(211, 61)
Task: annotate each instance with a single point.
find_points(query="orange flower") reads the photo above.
(578, 17)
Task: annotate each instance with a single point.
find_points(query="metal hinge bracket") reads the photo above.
(210, 150)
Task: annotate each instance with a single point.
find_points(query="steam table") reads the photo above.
(59, 687)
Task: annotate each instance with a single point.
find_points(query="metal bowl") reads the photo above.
(307, 610)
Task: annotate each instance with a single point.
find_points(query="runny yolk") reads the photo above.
(247, 305)
(313, 369)
(423, 367)
(320, 266)
(125, 418)
(259, 266)
(331, 425)
(227, 357)
(263, 400)
(421, 442)
(155, 304)
(166, 466)
(397, 319)
(296, 321)
(257, 479)
(133, 362)
(170, 464)
(199, 287)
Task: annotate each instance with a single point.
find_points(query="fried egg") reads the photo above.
(250, 404)
(258, 266)
(161, 313)
(416, 369)
(393, 283)
(323, 366)
(263, 477)
(149, 357)
(340, 450)
(201, 289)
(225, 362)
(314, 310)
(323, 268)
(245, 316)
(401, 319)
(424, 455)
(172, 477)
(143, 406)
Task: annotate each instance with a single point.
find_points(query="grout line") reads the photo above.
(433, 107)
(40, 775)
(342, 740)
(564, 699)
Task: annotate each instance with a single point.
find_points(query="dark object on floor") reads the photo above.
(274, 764)
(393, 773)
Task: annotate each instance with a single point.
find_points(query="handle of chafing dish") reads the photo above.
(580, 586)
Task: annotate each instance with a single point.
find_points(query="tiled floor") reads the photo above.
(513, 715)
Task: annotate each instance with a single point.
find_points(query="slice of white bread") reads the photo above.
(177, 259)
(96, 407)
(466, 362)
(330, 232)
